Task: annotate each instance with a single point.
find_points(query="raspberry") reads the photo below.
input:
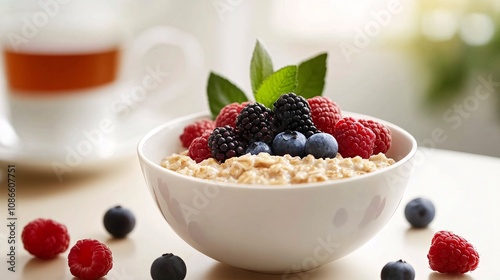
(90, 259)
(45, 238)
(325, 113)
(353, 138)
(450, 253)
(194, 130)
(199, 150)
(350, 119)
(293, 113)
(224, 143)
(229, 113)
(383, 137)
(256, 123)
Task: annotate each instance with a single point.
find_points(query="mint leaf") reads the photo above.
(261, 66)
(311, 76)
(221, 92)
(280, 82)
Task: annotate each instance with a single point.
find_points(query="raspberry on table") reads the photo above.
(229, 113)
(256, 123)
(353, 138)
(90, 259)
(45, 238)
(225, 143)
(292, 112)
(450, 253)
(194, 130)
(325, 113)
(199, 150)
(383, 137)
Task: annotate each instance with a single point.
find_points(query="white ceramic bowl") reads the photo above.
(274, 229)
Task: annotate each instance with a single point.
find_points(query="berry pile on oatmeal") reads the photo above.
(290, 134)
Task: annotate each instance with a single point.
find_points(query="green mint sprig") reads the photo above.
(221, 92)
(280, 82)
(311, 76)
(261, 66)
(306, 79)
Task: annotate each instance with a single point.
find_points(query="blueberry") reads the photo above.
(399, 270)
(119, 221)
(420, 212)
(289, 142)
(322, 145)
(258, 147)
(168, 267)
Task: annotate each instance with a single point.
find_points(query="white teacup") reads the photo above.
(66, 63)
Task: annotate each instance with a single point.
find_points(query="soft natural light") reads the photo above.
(477, 29)
(317, 18)
(439, 25)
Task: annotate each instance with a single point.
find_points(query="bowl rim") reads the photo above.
(330, 183)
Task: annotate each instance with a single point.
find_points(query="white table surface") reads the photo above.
(464, 187)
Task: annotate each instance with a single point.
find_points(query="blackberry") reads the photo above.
(292, 112)
(255, 123)
(225, 143)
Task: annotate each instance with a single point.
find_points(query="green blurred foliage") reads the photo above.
(451, 63)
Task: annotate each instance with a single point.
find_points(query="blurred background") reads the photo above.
(429, 66)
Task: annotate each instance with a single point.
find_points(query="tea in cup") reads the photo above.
(66, 63)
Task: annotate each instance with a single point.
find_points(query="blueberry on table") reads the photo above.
(168, 267)
(420, 212)
(398, 270)
(119, 221)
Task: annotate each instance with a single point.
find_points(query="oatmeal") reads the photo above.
(275, 170)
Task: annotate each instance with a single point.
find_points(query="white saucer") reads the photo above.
(51, 159)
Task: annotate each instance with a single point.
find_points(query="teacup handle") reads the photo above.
(139, 88)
